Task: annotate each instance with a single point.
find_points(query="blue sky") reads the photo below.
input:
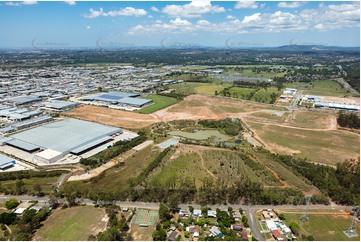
(169, 23)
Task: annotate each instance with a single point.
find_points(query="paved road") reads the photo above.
(347, 86)
(250, 210)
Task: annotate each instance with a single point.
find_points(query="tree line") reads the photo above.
(342, 184)
(117, 149)
(231, 127)
(18, 175)
(348, 120)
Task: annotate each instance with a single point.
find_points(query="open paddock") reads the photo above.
(321, 146)
(75, 223)
(323, 225)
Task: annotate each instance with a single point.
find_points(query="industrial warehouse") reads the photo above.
(63, 139)
(116, 100)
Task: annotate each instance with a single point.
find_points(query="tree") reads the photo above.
(20, 187)
(294, 227)
(245, 221)
(111, 234)
(164, 212)
(38, 189)
(7, 218)
(159, 235)
(191, 209)
(11, 203)
(53, 201)
(282, 216)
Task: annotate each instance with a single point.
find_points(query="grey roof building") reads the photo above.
(62, 137)
(22, 100)
(6, 162)
(60, 105)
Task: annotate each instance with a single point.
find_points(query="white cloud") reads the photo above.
(291, 4)
(154, 9)
(230, 17)
(180, 22)
(128, 11)
(195, 9)
(246, 4)
(70, 2)
(94, 13)
(16, 4)
(88, 27)
(203, 22)
(322, 18)
(29, 2)
(12, 4)
(330, 17)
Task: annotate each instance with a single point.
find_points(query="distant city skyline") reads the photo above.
(246, 24)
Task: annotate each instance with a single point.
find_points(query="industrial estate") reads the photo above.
(182, 143)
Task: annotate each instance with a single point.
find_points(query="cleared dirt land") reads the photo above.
(327, 147)
(124, 119)
(298, 119)
(204, 107)
(75, 223)
(192, 107)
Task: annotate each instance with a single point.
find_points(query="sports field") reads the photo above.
(323, 226)
(148, 217)
(159, 103)
(75, 223)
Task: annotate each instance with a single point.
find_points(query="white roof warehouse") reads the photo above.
(57, 139)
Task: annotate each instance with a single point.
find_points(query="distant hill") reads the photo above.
(297, 47)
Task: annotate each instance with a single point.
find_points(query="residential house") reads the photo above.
(212, 214)
(197, 213)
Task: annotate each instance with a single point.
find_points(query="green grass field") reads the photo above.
(186, 165)
(242, 92)
(116, 178)
(217, 164)
(75, 223)
(264, 95)
(251, 73)
(320, 88)
(327, 147)
(160, 102)
(286, 175)
(46, 183)
(188, 88)
(311, 119)
(323, 227)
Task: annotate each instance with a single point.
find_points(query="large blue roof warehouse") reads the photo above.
(119, 98)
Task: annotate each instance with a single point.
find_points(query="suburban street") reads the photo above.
(250, 210)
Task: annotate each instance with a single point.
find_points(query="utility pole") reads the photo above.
(304, 216)
(351, 231)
